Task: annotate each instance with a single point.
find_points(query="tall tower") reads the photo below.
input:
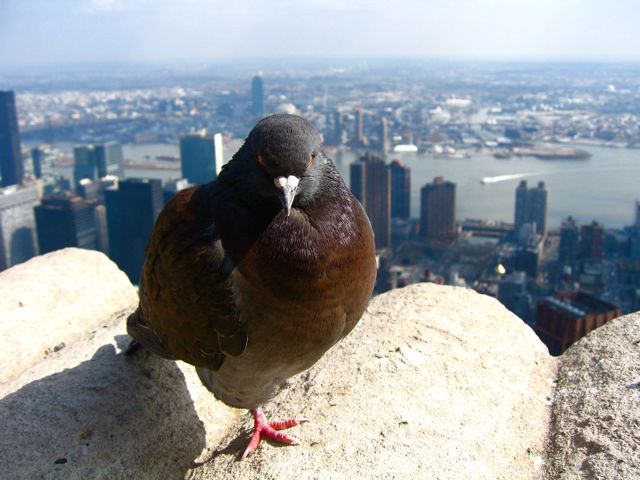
(437, 210)
(85, 165)
(11, 166)
(531, 206)
(37, 156)
(385, 144)
(132, 210)
(201, 157)
(568, 247)
(257, 96)
(400, 190)
(371, 185)
(591, 241)
(359, 127)
(66, 222)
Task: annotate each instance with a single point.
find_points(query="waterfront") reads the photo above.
(602, 188)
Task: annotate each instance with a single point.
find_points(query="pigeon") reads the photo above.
(252, 277)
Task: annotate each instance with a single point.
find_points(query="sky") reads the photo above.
(43, 32)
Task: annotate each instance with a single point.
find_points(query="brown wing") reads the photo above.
(187, 309)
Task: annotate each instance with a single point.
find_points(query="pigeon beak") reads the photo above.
(288, 187)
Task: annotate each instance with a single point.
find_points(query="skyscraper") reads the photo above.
(37, 156)
(132, 210)
(384, 135)
(591, 241)
(359, 138)
(109, 159)
(11, 166)
(531, 206)
(437, 210)
(568, 247)
(18, 241)
(400, 190)
(257, 96)
(67, 221)
(85, 165)
(201, 157)
(371, 185)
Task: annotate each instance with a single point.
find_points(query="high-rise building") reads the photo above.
(438, 210)
(371, 185)
(109, 159)
(18, 241)
(385, 144)
(201, 157)
(132, 210)
(591, 241)
(566, 317)
(85, 165)
(531, 207)
(66, 221)
(568, 247)
(11, 166)
(400, 190)
(359, 138)
(37, 156)
(257, 96)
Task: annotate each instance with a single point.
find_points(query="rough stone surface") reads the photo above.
(435, 382)
(89, 412)
(50, 300)
(596, 420)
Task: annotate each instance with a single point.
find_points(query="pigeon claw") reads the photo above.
(262, 428)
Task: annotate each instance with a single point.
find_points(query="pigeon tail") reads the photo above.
(270, 429)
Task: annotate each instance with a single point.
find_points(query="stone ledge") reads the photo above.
(435, 382)
(51, 300)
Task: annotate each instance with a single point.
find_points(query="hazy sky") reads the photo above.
(71, 31)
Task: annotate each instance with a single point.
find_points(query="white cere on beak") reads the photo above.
(288, 186)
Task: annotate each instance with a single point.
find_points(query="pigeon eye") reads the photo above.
(312, 157)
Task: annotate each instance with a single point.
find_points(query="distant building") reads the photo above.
(18, 240)
(201, 157)
(132, 210)
(37, 157)
(109, 159)
(531, 207)
(67, 221)
(85, 165)
(359, 138)
(565, 318)
(437, 210)
(400, 190)
(11, 166)
(371, 185)
(568, 247)
(257, 96)
(591, 241)
(336, 137)
(385, 144)
(513, 294)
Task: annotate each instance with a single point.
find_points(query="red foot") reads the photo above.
(263, 428)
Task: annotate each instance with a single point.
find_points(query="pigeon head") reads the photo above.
(286, 149)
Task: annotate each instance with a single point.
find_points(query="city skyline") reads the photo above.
(35, 32)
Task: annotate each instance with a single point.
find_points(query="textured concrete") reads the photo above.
(50, 300)
(435, 382)
(596, 421)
